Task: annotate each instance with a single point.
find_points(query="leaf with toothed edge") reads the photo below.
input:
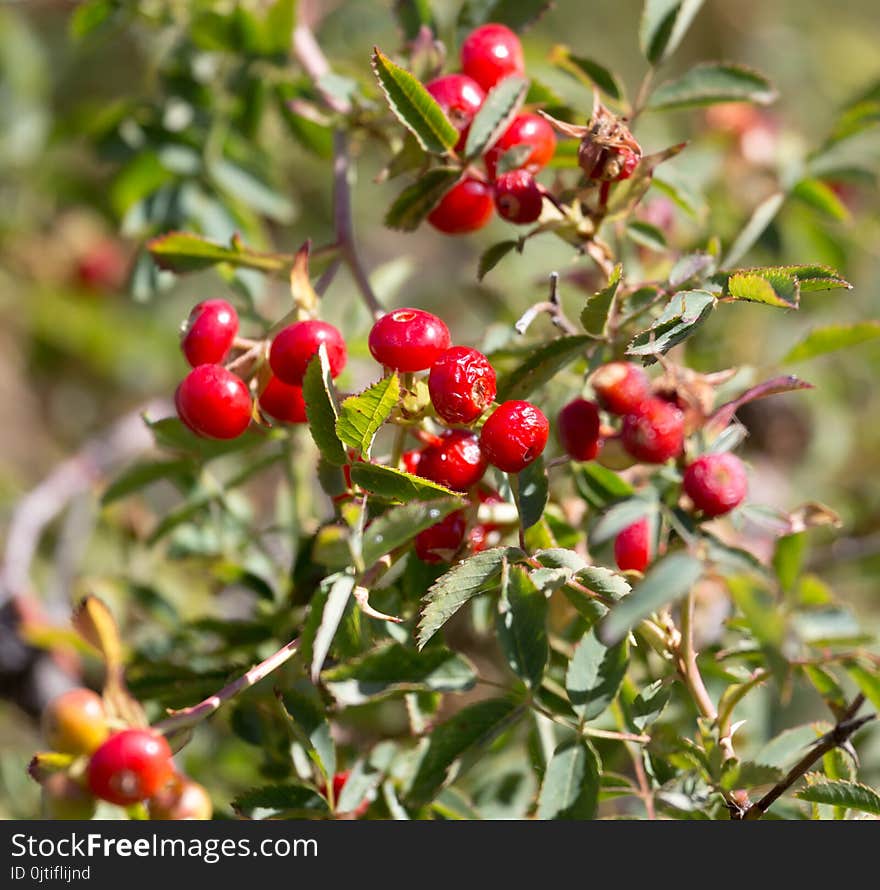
(497, 111)
(361, 416)
(710, 83)
(492, 256)
(183, 252)
(399, 525)
(522, 627)
(594, 316)
(395, 485)
(594, 675)
(541, 366)
(571, 785)
(321, 408)
(821, 341)
(663, 25)
(852, 795)
(416, 201)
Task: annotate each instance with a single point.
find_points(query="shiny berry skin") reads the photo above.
(461, 384)
(620, 387)
(209, 331)
(716, 483)
(514, 436)
(460, 97)
(411, 461)
(283, 401)
(632, 547)
(490, 53)
(578, 428)
(75, 722)
(180, 800)
(408, 340)
(466, 207)
(655, 433)
(293, 348)
(214, 403)
(440, 542)
(525, 129)
(518, 198)
(456, 461)
(130, 766)
(64, 799)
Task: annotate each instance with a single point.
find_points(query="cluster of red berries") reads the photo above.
(652, 431)
(488, 55)
(123, 767)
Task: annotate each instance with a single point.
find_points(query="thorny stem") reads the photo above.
(552, 307)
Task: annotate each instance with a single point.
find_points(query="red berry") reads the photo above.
(479, 535)
(182, 799)
(283, 401)
(293, 348)
(411, 461)
(130, 766)
(632, 547)
(655, 433)
(490, 53)
(440, 542)
(579, 429)
(518, 198)
(213, 402)
(456, 461)
(460, 97)
(209, 331)
(462, 384)
(514, 435)
(620, 387)
(628, 161)
(408, 340)
(75, 722)
(466, 207)
(526, 129)
(716, 483)
(103, 267)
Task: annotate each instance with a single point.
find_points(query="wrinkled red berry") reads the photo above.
(130, 766)
(283, 401)
(526, 129)
(456, 461)
(518, 198)
(293, 348)
(655, 433)
(461, 384)
(632, 547)
(209, 331)
(628, 161)
(514, 435)
(408, 340)
(440, 542)
(460, 97)
(716, 483)
(213, 402)
(466, 207)
(75, 722)
(490, 53)
(183, 799)
(578, 427)
(620, 387)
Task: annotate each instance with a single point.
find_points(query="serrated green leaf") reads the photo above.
(280, 801)
(594, 675)
(681, 317)
(522, 627)
(395, 485)
(832, 337)
(648, 705)
(531, 493)
(852, 795)
(771, 288)
(361, 416)
(587, 71)
(516, 14)
(594, 316)
(183, 252)
(416, 201)
(761, 217)
(321, 408)
(412, 16)
(495, 114)
(821, 197)
(570, 789)
(604, 581)
(789, 745)
(663, 26)
(492, 256)
(541, 366)
(399, 525)
(599, 486)
(710, 83)
(339, 591)
(825, 683)
(304, 707)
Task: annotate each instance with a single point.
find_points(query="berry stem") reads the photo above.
(513, 479)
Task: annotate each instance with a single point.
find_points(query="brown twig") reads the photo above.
(552, 306)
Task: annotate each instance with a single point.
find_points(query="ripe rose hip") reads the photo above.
(514, 435)
(208, 333)
(490, 53)
(632, 547)
(411, 461)
(179, 800)
(408, 340)
(578, 426)
(130, 766)
(456, 461)
(293, 348)
(526, 129)
(75, 722)
(620, 387)
(283, 401)
(460, 97)
(213, 402)
(716, 483)
(440, 542)
(461, 384)
(466, 207)
(655, 433)
(518, 198)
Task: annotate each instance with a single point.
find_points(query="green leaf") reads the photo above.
(144, 473)
(339, 592)
(681, 317)
(365, 776)
(646, 235)
(761, 217)
(321, 408)
(621, 516)
(813, 278)
(570, 789)
(522, 627)
(492, 256)
(821, 197)
(691, 265)
(852, 795)
(788, 558)
(788, 746)
(252, 191)
(829, 338)
(531, 492)
(280, 801)
(713, 82)
(599, 486)
(469, 730)
(399, 525)
(595, 314)
(594, 675)
(361, 416)
(89, 16)
(587, 71)
(513, 158)
(663, 26)
(416, 201)
(472, 576)
(393, 669)
(304, 707)
(312, 135)
(414, 106)
(541, 366)
(516, 14)
(495, 114)
(395, 485)
(666, 581)
(867, 680)
(604, 581)
(769, 287)
(648, 705)
(182, 252)
(412, 15)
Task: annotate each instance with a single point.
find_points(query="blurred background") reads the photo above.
(109, 135)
